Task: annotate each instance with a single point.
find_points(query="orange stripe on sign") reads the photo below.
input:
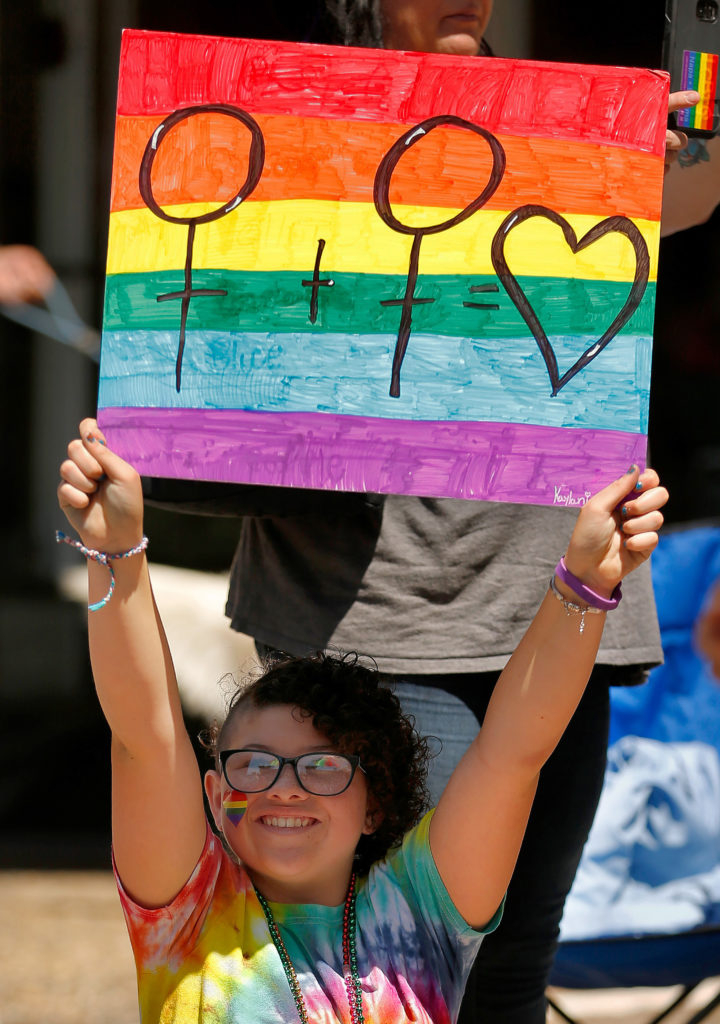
(204, 159)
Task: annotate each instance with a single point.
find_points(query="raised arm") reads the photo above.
(482, 815)
(157, 805)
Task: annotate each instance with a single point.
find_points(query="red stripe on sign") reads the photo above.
(623, 106)
(709, 96)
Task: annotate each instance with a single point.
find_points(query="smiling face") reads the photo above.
(435, 26)
(296, 847)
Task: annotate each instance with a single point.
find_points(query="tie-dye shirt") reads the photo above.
(208, 955)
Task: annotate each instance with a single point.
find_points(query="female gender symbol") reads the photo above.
(381, 197)
(256, 159)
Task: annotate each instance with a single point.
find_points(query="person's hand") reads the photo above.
(617, 530)
(25, 275)
(100, 494)
(675, 140)
(707, 632)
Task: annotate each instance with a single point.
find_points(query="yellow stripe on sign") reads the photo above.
(283, 235)
(700, 109)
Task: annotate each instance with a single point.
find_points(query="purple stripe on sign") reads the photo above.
(496, 461)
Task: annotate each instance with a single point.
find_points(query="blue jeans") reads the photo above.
(507, 983)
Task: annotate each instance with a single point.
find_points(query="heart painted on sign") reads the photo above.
(619, 225)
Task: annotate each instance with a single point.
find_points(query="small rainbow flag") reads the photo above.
(380, 271)
(699, 72)
(235, 806)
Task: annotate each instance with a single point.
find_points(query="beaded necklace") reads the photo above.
(350, 967)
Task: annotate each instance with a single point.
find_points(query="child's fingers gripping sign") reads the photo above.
(617, 529)
(641, 517)
(81, 474)
(100, 493)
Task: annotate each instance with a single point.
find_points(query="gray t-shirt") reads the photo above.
(423, 585)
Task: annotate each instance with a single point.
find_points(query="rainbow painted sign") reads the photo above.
(380, 271)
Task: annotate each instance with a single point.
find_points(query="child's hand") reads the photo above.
(101, 494)
(617, 530)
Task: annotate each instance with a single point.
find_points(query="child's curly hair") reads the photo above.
(348, 704)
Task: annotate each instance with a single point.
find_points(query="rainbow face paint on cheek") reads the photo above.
(235, 805)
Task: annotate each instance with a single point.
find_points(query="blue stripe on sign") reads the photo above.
(442, 378)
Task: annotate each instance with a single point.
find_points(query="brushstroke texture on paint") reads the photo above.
(164, 71)
(283, 236)
(290, 326)
(311, 158)
(470, 460)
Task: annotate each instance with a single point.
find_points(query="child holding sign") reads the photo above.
(315, 768)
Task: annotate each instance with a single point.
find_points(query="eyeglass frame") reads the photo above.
(224, 757)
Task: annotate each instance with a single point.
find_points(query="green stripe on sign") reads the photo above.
(352, 304)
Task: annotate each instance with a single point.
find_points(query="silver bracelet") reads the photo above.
(571, 608)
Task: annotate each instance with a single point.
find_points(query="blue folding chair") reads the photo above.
(645, 906)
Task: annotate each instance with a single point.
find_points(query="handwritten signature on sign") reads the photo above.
(569, 498)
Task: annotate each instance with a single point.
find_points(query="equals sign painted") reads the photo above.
(475, 288)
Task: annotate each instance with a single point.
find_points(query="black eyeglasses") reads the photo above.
(322, 774)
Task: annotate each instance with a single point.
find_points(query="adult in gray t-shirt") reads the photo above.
(422, 585)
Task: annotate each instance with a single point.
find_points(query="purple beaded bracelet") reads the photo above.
(103, 558)
(593, 600)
